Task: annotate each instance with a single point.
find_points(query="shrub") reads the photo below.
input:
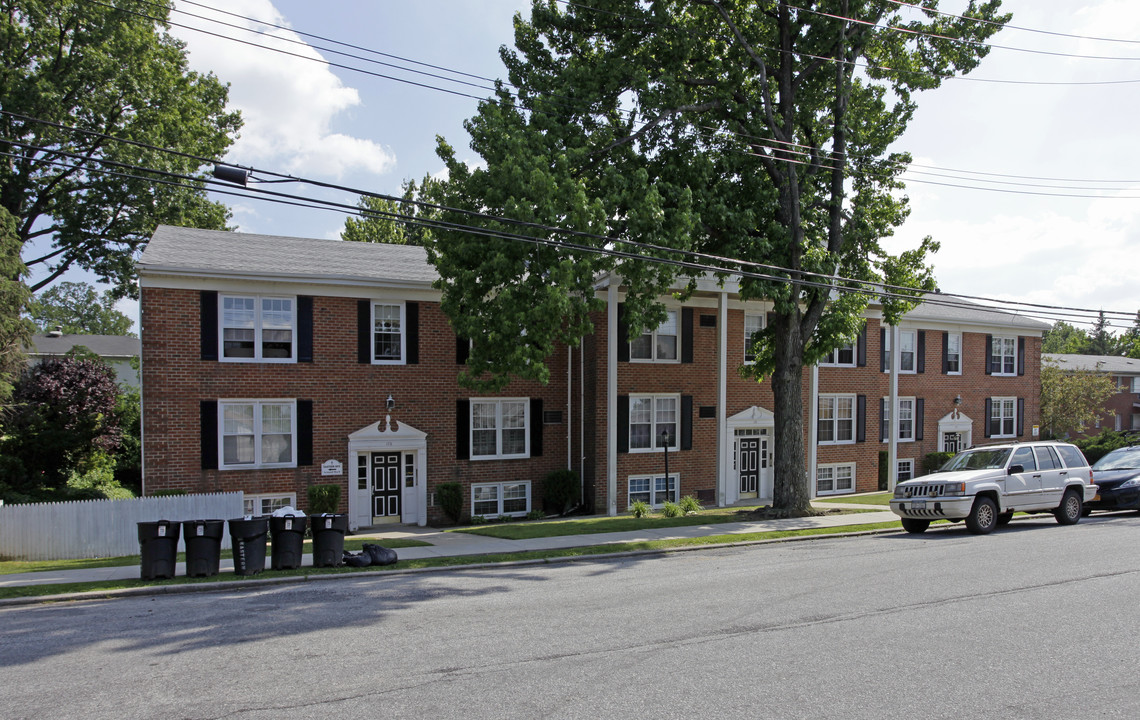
(449, 495)
(535, 515)
(884, 462)
(1100, 445)
(560, 491)
(671, 509)
(932, 461)
(504, 518)
(478, 520)
(690, 504)
(323, 499)
(166, 492)
(640, 509)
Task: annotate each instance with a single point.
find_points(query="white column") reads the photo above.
(893, 425)
(722, 439)
(611, 397)
(421, 469)
(813, 431)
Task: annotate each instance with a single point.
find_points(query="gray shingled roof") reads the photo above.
(107, 346)
(965, 311)
(216, 252)
(1103, 363)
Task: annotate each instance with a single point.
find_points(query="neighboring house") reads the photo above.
(116, 350)
(1122, 410)
(274, 363)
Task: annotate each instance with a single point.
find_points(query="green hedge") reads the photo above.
(324, 499)
(449, 496)
(560, 491)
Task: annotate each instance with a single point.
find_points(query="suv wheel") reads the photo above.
(912, 525)
(983, 516)
(1069, 511)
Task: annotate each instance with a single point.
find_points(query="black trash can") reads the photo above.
(203, 546)
(247, 537)
(288, 541)
(158, 545)
(328, 539)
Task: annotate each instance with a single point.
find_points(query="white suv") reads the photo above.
(985, 485)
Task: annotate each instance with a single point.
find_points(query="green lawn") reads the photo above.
(883, 498)
(620, 523)
(9, 567)
(97, 587)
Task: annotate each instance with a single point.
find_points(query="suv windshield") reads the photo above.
(978, 460)
(1119, 459)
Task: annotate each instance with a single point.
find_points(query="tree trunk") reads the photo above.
(790, 491)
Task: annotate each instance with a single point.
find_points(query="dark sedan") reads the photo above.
(1117, 478)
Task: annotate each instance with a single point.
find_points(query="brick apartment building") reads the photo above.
(1122, 410)
(271, 363)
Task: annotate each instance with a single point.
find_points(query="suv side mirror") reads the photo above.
(1016, 469)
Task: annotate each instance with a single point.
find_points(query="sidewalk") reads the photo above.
(452, 544)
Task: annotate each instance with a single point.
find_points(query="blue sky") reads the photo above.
(335, 125)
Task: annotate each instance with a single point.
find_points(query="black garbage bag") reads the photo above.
(380, 555)
(360, 559)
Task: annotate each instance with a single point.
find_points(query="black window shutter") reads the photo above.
(1020, 417)
(861, 348)
(209, 324)
(536, 427)
(304, 329)
(364, 331)
(463, 429)
(860, 418)
(1020, 357)
(208, 414)
(988, 412)
(989, 354)
(623, 423)
(462, 350)
(883, 349)
(945, 353)
(686, 422)
(622, 335)
(883, 429)
(920, 351)
(412, 332)
(304, 432)
(919, 417)
(686, 335)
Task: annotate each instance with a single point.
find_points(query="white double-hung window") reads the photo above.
(906, 419)
(256, 328)
(257, 433)
(954, 354)
(835, 478)
(836, 421)
(753, 323)
(1003, 417)
(388, 333)
(659, 345)
(907, 343)
(653, 422)
(500, 428)
(1003, 356)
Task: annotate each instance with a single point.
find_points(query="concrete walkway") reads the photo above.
(452, 544)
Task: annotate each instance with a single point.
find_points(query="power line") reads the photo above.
(829, 283)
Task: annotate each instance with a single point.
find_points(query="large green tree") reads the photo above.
(1064, 338)
(15, 331)
(752, 130)
(80, 309)
(110, 69)
(1072, 400)
(390, 221)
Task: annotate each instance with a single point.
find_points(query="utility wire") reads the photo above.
(827, 282)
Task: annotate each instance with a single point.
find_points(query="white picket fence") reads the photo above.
(102, 528)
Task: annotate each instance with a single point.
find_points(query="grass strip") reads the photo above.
(620, 523)
(11, 567)
(883, 499)
(586, 551)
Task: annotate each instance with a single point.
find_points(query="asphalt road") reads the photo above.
(1034, 621)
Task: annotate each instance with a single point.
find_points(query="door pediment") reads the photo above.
(753, 416)
(382, 436)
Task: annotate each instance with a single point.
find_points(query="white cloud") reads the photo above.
(288, 102)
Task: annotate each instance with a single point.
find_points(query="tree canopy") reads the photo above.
(78, 308)
(1064, 338)
(391, 222)
(755, 131)
(108, 70)
(1072, 400)
(15, 331)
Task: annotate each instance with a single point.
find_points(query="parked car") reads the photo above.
(985, 485)
(1117, 478)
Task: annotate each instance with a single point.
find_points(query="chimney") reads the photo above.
(58, 332)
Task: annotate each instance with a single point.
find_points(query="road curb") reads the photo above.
(226, 585)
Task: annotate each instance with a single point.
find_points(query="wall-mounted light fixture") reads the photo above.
(391, 403)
